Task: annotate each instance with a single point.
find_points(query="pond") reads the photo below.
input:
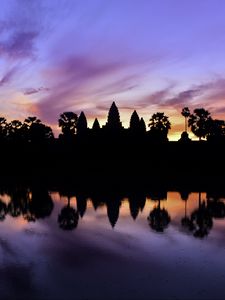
(162, 245)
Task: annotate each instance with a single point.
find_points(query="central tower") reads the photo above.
(113, 121)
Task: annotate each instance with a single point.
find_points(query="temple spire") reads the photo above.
(113, 121)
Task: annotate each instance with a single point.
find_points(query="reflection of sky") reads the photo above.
(95, 260)
(76, 55)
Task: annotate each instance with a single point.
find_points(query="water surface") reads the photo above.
(136, 247)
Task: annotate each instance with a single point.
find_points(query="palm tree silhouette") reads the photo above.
(200, 122)
(185, 113)
(68, 123)
(159, 125)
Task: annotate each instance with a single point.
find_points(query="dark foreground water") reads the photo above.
(156, 249)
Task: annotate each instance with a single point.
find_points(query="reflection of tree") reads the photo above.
(18, 203)
(201, 220)
(81, 204)
(3, 210)
(32, 203)
(185, 221)
(216, 207)
(68, 217)
(41, 204)
(158, 218)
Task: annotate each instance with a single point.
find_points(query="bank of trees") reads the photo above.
(32, 130)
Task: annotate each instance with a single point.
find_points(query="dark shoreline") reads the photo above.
(169, 166)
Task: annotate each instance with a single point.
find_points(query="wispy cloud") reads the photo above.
(79, 82)
(8, 76)
(19, 45)
(30, 91)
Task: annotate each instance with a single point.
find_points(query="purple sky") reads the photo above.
(148, 55)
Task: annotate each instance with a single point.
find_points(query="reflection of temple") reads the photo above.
(35, 203)
(136, 203)
(113, 210)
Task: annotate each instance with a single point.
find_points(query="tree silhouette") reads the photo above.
(31, 120)
(82, 124)
(216, 130)
(39, 133)
(113, 121)
(68, 124)
(3, 128)
(200, 122)
(68, 217)
(3, 210)
(16, 131)
(159, 126)
(185, 113)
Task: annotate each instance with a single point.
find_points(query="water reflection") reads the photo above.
(35, 202)
(68, 217)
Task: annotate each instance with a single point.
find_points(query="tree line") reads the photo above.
(32, 130)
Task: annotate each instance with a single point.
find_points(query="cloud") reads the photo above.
(206, 95)
(8, 76)
(20, 28)
(30, 91)
(182, 98)
(19, 45)
(80, 82)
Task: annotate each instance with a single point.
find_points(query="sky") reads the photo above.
(81, 55)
